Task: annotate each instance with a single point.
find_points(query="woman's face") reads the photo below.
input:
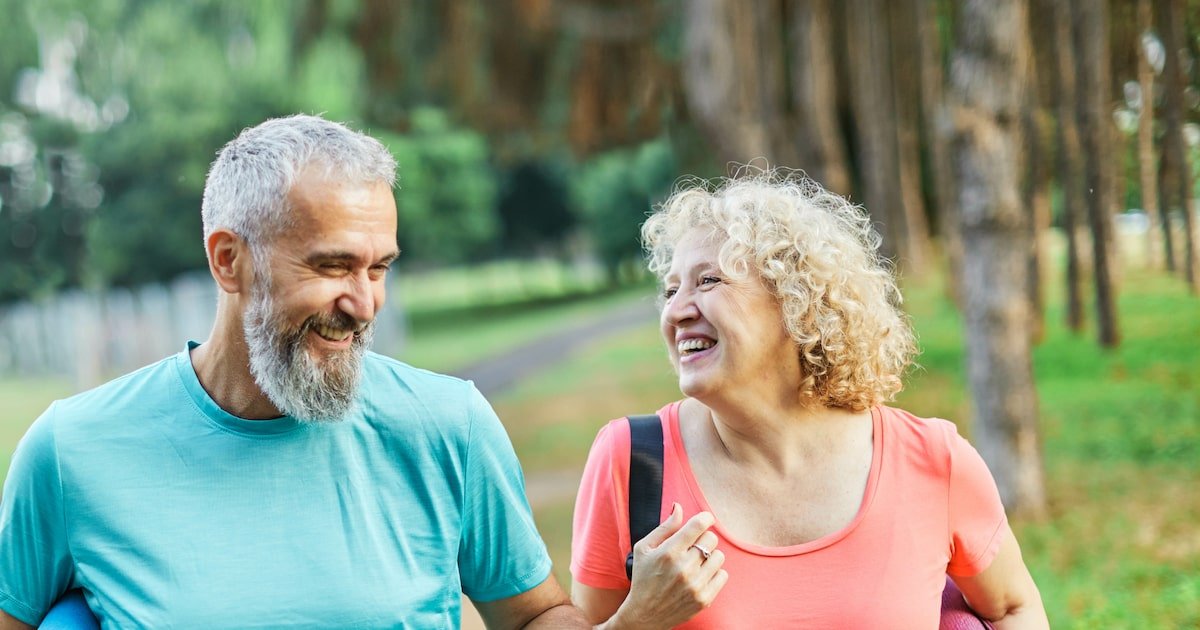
(725, 336)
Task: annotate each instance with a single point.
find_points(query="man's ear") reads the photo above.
(229, 261)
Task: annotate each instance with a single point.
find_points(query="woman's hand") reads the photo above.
(672, 577)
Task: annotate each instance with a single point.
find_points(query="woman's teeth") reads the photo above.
(695, 344)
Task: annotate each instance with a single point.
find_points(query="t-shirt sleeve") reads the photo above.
(501, 554)
(600, 531)
(976, 515)
(35, 562)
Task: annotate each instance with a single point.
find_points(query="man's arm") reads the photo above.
(543, 606)
(1004, 593)
(8, 622)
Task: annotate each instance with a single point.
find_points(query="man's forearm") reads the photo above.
(561, 616)
(8, 622)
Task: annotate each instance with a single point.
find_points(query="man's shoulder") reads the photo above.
(135, 390)
(397, 390)
(384, 371)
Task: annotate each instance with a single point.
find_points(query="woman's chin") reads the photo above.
(694, 387)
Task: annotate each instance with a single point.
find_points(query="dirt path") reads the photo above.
(497, 374)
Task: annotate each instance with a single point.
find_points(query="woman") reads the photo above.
(791, 496)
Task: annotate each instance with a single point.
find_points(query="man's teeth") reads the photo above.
(695, 344)
(333, 334)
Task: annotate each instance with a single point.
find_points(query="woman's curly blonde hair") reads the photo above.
(819, 254)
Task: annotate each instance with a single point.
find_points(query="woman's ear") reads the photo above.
(229, 261)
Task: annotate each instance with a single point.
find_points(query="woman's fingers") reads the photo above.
(706, 542)
(691, 531)
(664, 529)
(671, 580)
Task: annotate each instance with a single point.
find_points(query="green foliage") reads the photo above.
(446, 190)
(616, 191)
(147, 92)
(331, 78)
(534, 208)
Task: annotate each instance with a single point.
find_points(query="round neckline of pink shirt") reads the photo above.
(790, 550)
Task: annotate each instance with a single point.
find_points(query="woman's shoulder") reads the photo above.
(933, 438)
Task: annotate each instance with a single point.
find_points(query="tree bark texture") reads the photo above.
(934, 130)
(875, 125)
(988, 83)
(905, 60)
(1090, 30)
(1145, 139)
(1171, 21)
(1069, 154)
(758, 79)
(814, 93)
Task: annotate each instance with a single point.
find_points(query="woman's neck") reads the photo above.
(775, 438)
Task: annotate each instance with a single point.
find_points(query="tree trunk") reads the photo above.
(987, 91)
(1069, 154)
(1170, 16)
(1146, 167)
(904, 55)
(814, 95)
(933, 134)
(1165, 173)
(1090, 27)
(1035, 196)
(871, 100)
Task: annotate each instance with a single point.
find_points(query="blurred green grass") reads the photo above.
(1121, 429)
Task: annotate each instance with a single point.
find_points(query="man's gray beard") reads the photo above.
(294, 382)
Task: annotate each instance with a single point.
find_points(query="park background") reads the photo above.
(1028, 165)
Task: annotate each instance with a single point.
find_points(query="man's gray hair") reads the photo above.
(248, 185)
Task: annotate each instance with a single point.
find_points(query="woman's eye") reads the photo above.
(709, 280)
(669, 292)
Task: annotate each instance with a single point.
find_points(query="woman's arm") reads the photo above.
(597, 604)
(1004, 593)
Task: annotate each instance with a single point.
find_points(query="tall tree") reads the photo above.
(875, 125)
(1171, 17)
(1069, 154)
(1090, 31)
(822, 151)
(905, 61)
(930, 80)
(758, 80)
(987, 93)
(1147, 172)
(721, 78)
(1035, 196)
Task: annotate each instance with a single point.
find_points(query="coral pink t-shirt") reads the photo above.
(930, 508)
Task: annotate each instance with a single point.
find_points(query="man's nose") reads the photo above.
(359, 300)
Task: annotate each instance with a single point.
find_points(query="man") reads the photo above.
(278, 474)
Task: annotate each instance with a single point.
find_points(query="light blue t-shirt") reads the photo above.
(170, 512)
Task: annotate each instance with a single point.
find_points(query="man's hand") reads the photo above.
(543, 606)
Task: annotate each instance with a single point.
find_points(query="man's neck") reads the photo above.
(222, 364)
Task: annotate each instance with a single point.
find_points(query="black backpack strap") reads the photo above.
(645, 479)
